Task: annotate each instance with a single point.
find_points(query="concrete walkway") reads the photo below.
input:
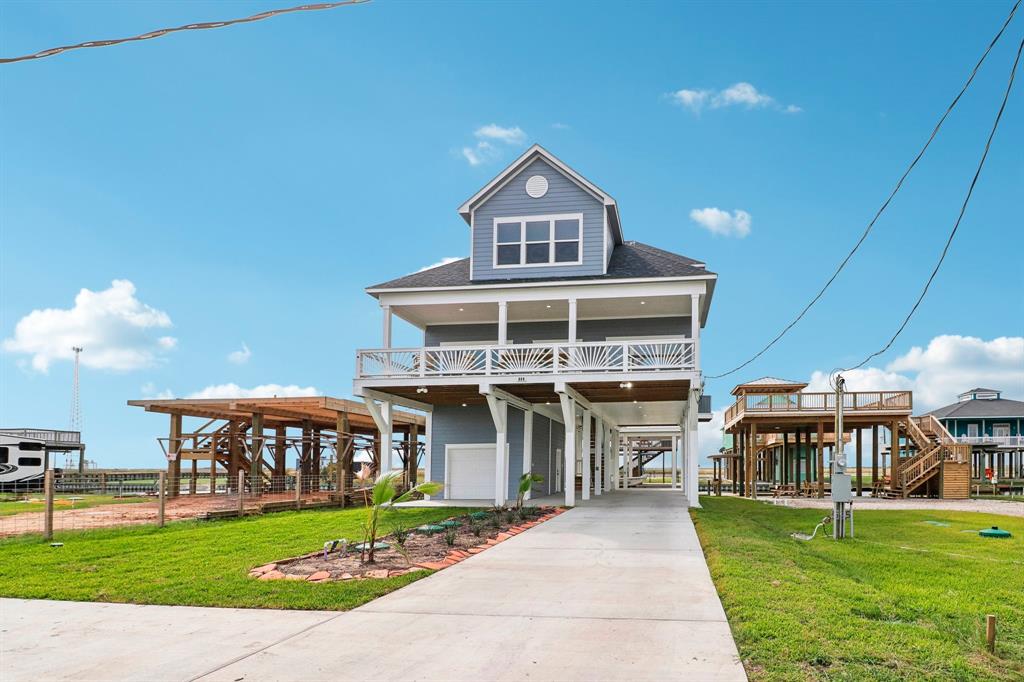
(615, 589)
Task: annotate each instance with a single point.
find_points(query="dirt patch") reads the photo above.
(431, 547)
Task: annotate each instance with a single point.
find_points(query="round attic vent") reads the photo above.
(537, 186)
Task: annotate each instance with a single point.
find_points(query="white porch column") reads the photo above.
(499, 413)
(528, 446)
(675, 462)
(681, 449)
(627, 461)
(695, 327)
(572, 320)
(502, 323)
(617, 445)
(381, 415)
(586, 455)
(386, 329)
(612, 448)
(692, 451)
(598, 456)
(569, 452)
(427, 476)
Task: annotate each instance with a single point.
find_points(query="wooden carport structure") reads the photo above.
(240, 432)
(773, 420)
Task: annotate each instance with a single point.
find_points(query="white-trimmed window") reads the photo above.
(531, 241)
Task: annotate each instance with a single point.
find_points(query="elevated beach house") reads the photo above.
(556, 341)
(994, 428)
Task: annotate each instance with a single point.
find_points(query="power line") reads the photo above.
(956, 225)
(885, 204)
(188, 27)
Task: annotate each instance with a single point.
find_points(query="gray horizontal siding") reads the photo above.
(473, 424)
(587, 330)
(541, 461)
(563, 196)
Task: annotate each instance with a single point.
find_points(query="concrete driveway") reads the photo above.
(615, 589)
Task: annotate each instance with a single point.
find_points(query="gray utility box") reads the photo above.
(842, 490)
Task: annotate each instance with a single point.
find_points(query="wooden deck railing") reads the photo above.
(803, 403)
(528, 358)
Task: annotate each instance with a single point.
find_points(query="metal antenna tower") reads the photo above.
(76, 406)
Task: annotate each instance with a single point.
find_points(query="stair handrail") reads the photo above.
(920, 466)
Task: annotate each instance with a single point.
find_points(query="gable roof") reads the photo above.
(517, 166)
(967, 409)
(981, 390)
(630, 260)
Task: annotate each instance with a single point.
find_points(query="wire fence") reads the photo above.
(71, 502)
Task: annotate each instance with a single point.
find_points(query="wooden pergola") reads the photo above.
(780, 433)
(255, 436)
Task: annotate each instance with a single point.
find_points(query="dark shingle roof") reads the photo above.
(980, 408)
(630, 260)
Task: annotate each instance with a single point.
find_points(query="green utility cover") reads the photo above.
(480, 515)
(449, 524)
(994, 532)
(377, 545)
(430, 528)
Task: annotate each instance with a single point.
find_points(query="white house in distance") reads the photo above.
(553, 321)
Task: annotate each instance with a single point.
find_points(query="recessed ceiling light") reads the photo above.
(634, 402)
(462, 310)
(643, 302)
(463, 404)
(549, 306)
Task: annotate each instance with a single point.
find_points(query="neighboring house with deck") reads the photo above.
(552, 343)
(994, 428)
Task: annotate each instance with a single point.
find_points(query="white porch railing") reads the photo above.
(531, 358)
(1002, 441)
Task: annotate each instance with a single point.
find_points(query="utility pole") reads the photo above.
(842, 492)
(76, 406)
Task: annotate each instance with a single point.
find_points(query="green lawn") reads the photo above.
(61, 502)
(905, 600)
(199, 563)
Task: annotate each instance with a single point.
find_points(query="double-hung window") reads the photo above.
(538, 240)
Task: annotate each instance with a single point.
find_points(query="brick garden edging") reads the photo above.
(271, 572)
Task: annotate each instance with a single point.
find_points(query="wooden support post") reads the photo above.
(306, 465)
(298, 487)
(739, 444)
(753, 460)
(821, 459)
(990, 633)
(213, 464)
(343, 457)
(256, 454)
(874, 454)
(174, 447)
(860, 465)
(48, 497)
(785, 458)
(193, 479)
(241, 492)
(232, 455)
(894, 455)
(162, 494)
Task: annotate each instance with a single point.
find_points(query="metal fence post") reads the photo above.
(298, 488)
(241, 492)
(48, 494)
(162, 493)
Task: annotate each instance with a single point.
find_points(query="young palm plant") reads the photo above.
(526, 482)
(384, 496)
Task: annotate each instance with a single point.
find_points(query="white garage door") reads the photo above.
(471, 472)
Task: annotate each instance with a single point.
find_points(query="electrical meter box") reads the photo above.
(842, 490)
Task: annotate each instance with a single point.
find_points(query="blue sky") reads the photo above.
(250, 181)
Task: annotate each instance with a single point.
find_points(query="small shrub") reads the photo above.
(449, 537)
(476, 527)
(401, 534)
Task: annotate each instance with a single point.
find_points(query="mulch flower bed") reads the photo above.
(426, 549)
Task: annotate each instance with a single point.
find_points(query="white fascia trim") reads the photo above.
(554, 319)
(472, 238)
(368, 393)
(589, 285)
(513, 169)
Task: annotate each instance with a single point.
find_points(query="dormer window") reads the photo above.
(538, 240)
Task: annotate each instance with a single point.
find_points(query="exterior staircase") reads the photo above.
(935, 446)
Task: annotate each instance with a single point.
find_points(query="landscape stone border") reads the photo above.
(271, 572)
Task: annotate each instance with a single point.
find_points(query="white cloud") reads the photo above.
(485, 148)
(717, 221)
(948, 366)
(492, 131)
(150, 392)
(709, 434)
(241, 356)
(561, 126)
(444, 261)
(113, 326)
(263, 391)
(738, 94)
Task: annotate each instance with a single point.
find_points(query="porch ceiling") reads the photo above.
(670, 392)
